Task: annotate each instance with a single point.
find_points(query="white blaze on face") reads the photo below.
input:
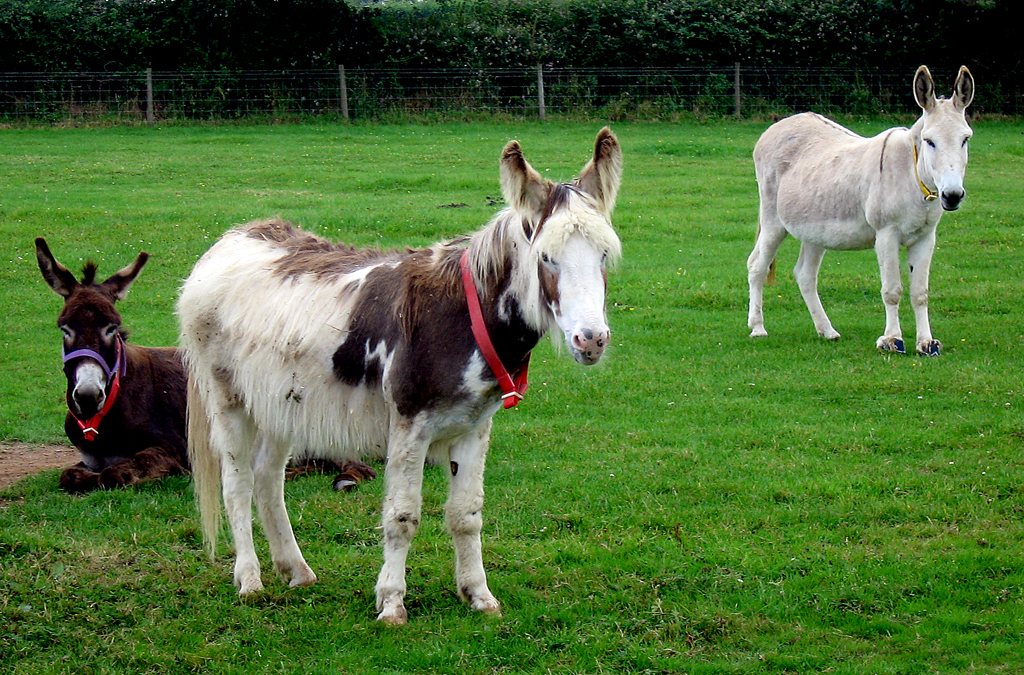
(579, 311)
(90, 385)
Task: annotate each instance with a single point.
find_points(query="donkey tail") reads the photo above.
(205, 467)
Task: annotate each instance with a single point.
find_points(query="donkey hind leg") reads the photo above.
(268, 491)
(887, 249)
(403, 486)
(759, 265)
(806, 272)
(232, 435)
(463, 513)
(919, 257)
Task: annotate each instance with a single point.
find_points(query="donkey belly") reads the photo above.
(314, 413)
(824, 213)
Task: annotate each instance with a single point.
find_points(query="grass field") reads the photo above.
(697, 503)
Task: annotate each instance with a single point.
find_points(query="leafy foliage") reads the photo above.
(213, 34)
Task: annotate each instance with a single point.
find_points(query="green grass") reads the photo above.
(698, 502)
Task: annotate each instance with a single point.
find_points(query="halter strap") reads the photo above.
(929, 196)
(90, 427)
(513, 386)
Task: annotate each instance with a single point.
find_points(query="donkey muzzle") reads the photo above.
(588, 346)
(89, 391)
(951, 198)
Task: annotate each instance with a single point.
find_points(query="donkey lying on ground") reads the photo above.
(292, 340)
(126, 403)
(835, 190)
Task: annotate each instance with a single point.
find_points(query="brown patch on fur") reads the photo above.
(430, 276)
(310, 254)
(548, 284)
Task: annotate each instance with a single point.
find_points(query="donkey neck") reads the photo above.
(511, 333)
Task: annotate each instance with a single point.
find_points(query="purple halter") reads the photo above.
(90, 427)
(119, 364)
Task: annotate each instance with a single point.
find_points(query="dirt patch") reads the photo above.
(18, 460)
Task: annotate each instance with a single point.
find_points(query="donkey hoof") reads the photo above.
(394, 616)
(301, 575)
(248, 584)
(249, 592)
(930, 348)
(344, 484)
(891, 345)
(489, 606)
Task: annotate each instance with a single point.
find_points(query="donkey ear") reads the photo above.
(924, 88)
(963, 89)
(524, 189)
(602, 175)
(119, 283)
(57, 277)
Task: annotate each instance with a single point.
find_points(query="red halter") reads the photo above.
(514, 386)
(90, 427)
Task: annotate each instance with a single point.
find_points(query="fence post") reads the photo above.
(736, 89)
(149, 95)
(344, 91)
(540, 91)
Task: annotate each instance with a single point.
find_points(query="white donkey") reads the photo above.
(295, 342)
(835, 190)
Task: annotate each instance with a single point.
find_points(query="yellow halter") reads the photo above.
(929, 196)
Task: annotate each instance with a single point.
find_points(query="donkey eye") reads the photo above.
(547, 259)
(69, 334)
(965, 142)
(930, 142)
(109, 331)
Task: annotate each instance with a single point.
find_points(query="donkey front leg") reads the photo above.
(463, 513)
(403, 485)
(919, 257)
(78, 478)
(152, 463)
(269, 469)
(887, 249)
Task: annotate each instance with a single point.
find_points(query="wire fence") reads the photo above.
(375, 94)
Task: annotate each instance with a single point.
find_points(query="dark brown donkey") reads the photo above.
(126, 403)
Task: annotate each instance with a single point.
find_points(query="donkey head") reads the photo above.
(571, 240)
(90, 324)
(941, 136)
